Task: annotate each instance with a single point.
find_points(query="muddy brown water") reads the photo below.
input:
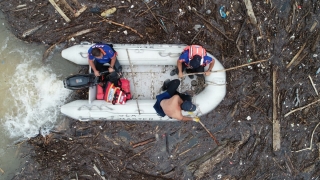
(286, 33)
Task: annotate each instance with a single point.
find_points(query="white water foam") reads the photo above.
(37, 96)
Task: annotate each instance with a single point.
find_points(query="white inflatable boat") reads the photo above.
(146, 66)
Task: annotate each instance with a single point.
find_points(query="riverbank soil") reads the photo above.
(258, 138)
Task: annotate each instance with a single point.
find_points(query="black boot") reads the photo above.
(188, 71)
(174, 72)
(165, 85)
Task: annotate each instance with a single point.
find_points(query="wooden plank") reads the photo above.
(59, 10)
(250, 12)
(276, 122)
(80, 11)
(66, 5)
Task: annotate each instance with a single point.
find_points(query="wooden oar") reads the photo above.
(229, 68)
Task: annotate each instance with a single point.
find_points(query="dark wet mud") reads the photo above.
(282, 90)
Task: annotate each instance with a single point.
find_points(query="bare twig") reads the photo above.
(196, 35)
(300, 108)
(195, 11)
(164, 28)
(313, 85)
(188, 149)
(138, 154)
(297, 55)
(98, 172)
(215, 140)
(240, 31)
(143, 142)
(127, 27)
(309, 148)
(145, 10)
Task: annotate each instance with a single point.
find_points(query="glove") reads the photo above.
(196, 119)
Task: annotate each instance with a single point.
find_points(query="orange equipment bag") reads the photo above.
(115, 95)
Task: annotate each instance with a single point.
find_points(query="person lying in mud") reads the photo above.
(171, 102)
(193, 59)
(99, 54)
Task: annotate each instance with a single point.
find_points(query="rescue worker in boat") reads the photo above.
(99, 54)
(193, 59)
(171, 102)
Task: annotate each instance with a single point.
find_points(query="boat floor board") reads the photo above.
(146, 81)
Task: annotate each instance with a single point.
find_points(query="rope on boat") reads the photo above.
(134, 84)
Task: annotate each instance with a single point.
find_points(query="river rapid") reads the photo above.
(31, 92)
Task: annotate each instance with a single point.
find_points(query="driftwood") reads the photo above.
(46, 54)
(250, 12)
(59, 11)
(300, 108)
(309, 148)
(31, 31)
(276, 122)
(80, 11)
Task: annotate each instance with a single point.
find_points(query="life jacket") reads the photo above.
(115, 95)
(196, 50)
(100, 93)
(124, 84)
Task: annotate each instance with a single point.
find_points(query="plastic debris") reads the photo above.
(95, 10)
(296, 99)
(108, 12)
(197, 27)
(222, 13)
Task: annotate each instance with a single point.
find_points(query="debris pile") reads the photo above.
(281, 138)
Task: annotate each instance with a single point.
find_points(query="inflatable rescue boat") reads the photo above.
(146, 66)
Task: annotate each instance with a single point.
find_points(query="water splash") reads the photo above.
(37, 95)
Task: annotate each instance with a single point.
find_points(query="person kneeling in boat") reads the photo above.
(171, 102)
(99, 54)
(193, 58)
